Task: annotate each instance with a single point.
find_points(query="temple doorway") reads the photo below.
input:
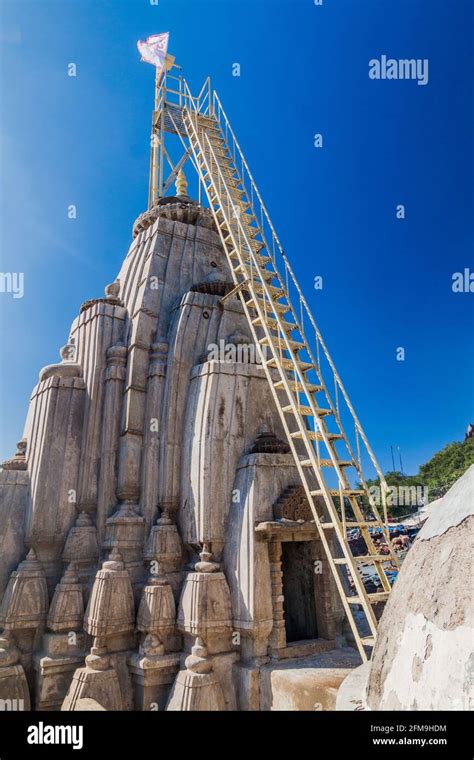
(299, 591)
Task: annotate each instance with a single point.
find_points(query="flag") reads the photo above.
(153, 50)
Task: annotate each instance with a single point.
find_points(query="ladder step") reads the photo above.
(275, 291)
(307, 411)
(208, 122)
(232, 189)
(349, 524)
(286, 326)
(232, 176)
(367, 641)
(245, 218)
(263, 274)
(317, 436)
(252, 232)
(270, 308)
(248, 220)
(215, 138)
(281, 343)
(236, 206)
(364, 559)
(378, 596)
(236, 195)
(289, 364)
(262, 260)
(345, 492)
(220, 150)
(297, 386)
(325, 463)
(256, 245)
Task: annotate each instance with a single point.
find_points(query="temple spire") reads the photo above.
(181, 183)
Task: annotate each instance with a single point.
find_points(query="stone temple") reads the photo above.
(156, 547)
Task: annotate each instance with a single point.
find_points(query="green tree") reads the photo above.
(435, 476)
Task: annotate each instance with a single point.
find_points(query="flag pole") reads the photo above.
(152, 186)
(155, 145)
(154, 51)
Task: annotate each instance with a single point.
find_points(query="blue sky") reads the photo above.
(304, 70)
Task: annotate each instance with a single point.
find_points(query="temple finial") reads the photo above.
(181, 183)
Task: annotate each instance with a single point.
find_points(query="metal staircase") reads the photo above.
(299, 369)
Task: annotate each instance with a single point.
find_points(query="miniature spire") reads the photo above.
(181, 183)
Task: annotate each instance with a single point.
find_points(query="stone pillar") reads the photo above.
(329, 610)
(278, 634)
(164, 552)
(125, 533)
(109, 618)
(81, 548)
(100, 326)
(204, 607)
(53, 463)
(152, 431)
(14, 498)
(114, 383)
(205, 615)
(154, 668)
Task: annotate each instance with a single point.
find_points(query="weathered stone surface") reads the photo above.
(423, 653)
(14, 499)
(307, 684)
(55, 446)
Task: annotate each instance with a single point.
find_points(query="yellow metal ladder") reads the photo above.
(277, 326)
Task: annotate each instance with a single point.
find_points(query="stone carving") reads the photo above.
(266, 442)
(18, 461)
(25, 603)
(66, 611)
(110, 610)
(293, 505)
(197, 687)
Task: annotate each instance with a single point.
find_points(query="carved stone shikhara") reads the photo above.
(144, 518)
